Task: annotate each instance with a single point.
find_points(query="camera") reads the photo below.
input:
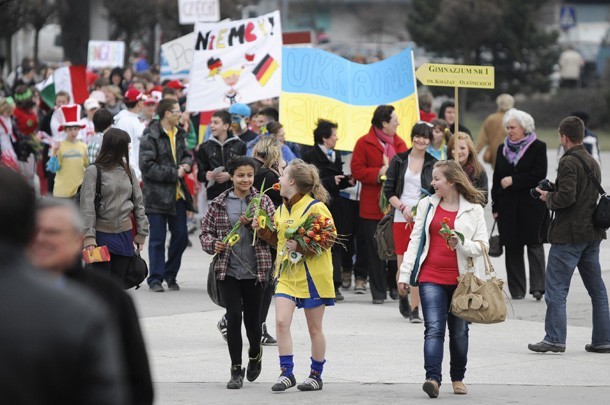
(544, 185)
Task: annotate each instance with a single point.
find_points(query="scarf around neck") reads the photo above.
(388, 143)
(514, 151)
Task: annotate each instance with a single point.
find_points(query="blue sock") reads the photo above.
(317, 367)
(287, 365)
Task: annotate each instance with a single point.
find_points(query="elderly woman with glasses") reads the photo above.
(521, 164)
(408, 173)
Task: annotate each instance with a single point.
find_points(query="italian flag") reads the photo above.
(71, 79)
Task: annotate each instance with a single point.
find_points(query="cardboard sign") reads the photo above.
(437, 74)
(194, 11)
(101, 54)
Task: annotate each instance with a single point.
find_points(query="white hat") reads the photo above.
(91, 103)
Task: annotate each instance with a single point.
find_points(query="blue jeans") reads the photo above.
(160, 269)
(562, 261)
(435, 303)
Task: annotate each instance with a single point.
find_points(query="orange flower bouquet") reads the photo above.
(447, 232)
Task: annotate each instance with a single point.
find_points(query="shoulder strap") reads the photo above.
(598, 186)
(420, 250)
(98, 188)
(309, 206)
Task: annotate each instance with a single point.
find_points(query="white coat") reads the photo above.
(470, 221)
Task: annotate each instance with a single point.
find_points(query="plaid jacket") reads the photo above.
(215, 226)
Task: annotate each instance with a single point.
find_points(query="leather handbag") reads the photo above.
(476, 300)
(214, 290)
(385, 237)
(136, 272)
(495, 248)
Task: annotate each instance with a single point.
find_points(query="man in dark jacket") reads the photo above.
(57, 250)
(329, 164)
(574, 242)
(214, 154)
(58, 344)
(164, 161)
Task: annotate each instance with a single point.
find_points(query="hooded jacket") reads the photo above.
(213, 154)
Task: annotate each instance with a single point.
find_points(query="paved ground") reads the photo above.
(374, 355)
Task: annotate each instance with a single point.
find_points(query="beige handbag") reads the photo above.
(476, 300)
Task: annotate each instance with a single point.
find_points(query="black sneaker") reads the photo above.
(237, 377)
(311, 383)
(156, 287)
(255, 366)
(543, 347)
(597, 349)
(414, 316)
(284, 382)
(266, 338)
(222, 327)
(338, 295)
(173, 286)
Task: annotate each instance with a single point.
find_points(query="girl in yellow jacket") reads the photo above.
(308, 281)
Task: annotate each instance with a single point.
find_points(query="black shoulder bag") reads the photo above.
(601, 215)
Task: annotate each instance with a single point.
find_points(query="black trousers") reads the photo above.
(117, 266)
(350, 215)
(367, 249)
(246, 294)
(515, 269)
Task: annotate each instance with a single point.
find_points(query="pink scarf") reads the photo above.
(388, 143)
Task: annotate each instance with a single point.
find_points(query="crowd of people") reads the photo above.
(138, 165)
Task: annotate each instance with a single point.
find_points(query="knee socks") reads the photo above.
(287, 365)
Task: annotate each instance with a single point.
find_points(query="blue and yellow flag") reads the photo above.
(317, 84)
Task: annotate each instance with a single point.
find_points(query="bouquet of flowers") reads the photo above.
(315, 235)
(447, 232)
(253, 209)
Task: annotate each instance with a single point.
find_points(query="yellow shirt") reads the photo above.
(172, 141)
(73, 161)
(293, 281)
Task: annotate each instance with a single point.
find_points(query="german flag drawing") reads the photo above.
(265, 69)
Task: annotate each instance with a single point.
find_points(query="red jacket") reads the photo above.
(366, 162)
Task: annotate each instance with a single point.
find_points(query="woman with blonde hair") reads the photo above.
(462, 150)
(436, 263)
(305, 283)
(114, 99)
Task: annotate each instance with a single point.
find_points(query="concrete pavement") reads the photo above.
(374, 355)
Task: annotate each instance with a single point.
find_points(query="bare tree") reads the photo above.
(74, 19)
(38, 13)
(11, 21)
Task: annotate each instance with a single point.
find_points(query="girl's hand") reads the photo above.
(138, 246)
(219, 247)
(90, 247)
(255, 225)
(452, 241)
(403, 289)
(406, 212)
(291, 245)
(245, 220)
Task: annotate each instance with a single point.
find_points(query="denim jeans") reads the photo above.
(435, 303)
(562, 261)
(158, 268)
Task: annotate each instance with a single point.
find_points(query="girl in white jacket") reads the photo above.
(434, 263)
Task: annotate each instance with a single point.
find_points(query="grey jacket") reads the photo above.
(160, 170)
(119, 196)
(574, 200)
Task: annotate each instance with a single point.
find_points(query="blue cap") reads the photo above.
(240, 109)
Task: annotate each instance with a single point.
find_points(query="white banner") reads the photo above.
(236, 62)
(179, 52)
(101, 54)
(194, 11)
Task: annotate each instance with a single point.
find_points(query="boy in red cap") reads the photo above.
(69, 157)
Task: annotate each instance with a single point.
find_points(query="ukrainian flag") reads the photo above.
(317, 84)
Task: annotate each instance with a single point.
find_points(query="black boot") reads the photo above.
(254, 366)
(237, 377)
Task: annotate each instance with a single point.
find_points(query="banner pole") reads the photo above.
(457, 110)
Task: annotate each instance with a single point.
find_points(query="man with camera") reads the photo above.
(574, 242)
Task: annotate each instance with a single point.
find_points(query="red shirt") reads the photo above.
(440, 265)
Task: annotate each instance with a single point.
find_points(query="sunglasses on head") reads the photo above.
(425, 122)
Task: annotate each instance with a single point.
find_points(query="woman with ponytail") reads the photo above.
(306, 284)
